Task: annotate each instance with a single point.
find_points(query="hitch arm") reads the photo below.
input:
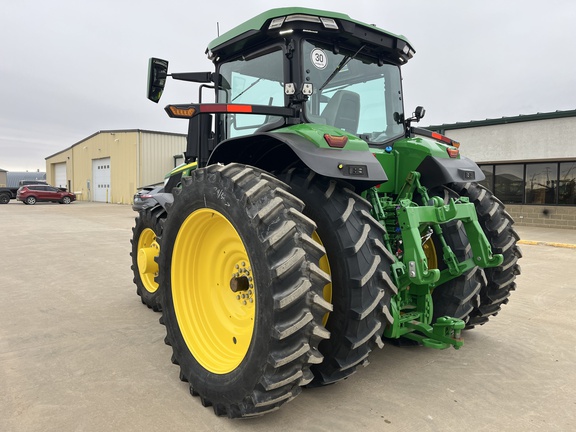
(444, 333)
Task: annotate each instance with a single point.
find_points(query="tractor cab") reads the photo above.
(332, 70)
(301, 66)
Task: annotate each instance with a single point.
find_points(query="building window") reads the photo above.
(509, 183)
(541, 183)
(567, 183)
(488, 171)
(546, 183)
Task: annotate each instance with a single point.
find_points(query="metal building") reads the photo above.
(12, 178)
(529, 162)
(110, 165)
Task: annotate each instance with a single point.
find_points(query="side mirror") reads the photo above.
(157, 73)
(419, 113)
(398, 118)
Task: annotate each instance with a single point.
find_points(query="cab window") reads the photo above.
(257, 80)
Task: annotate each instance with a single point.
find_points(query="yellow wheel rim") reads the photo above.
(213, 291)
(430, 253)
(148, 249)
(325, 266)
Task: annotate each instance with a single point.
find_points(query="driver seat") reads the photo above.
(343, 111)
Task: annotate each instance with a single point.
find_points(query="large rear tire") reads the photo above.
(497, 224)
(145, 250)
(360, 267)
(242, 301)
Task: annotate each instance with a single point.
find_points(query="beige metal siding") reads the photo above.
(137, 158)
(120, 147)
(124, 148)
(523, 141)
(63, 157)
(157, 155)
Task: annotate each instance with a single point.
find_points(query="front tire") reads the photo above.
(4, 198)
(145, 250)
(243, 298)
(30, 200)
(360, 267)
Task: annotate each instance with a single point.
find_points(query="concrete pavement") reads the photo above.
(547, 236)
(79, 352)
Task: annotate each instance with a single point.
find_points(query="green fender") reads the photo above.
(281, 148)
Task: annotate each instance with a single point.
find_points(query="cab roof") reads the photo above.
(339, 27)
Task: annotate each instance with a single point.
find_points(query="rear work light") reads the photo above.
(328, 23)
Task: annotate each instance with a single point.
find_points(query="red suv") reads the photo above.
(33, 193)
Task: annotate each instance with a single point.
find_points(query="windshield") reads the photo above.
(257, 80)
(353, 93)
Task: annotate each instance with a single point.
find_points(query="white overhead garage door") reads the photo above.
(60, 175)
(101, 180)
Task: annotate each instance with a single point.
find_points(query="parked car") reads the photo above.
(8, 193)
(147, 197)
(31, 194)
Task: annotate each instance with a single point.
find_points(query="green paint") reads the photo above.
(315, 134)
(261, 23)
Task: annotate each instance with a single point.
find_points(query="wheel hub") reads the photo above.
(148, 249)
(146, 262)
(242, 283)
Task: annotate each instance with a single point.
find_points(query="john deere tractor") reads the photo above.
(312, 221)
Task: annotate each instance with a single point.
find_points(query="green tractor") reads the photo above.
(312, 221)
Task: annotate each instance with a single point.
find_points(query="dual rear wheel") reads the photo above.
(243, 298)
(259, 301)
(145, 250)
(359, 266)
(254, 306)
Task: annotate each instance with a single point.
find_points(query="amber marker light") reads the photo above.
(452, 152)
(182, 112)
(336, 141)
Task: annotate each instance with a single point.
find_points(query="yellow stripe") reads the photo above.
(543, 243)
(185, 167)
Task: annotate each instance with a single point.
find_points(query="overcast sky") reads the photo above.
(70, 68)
